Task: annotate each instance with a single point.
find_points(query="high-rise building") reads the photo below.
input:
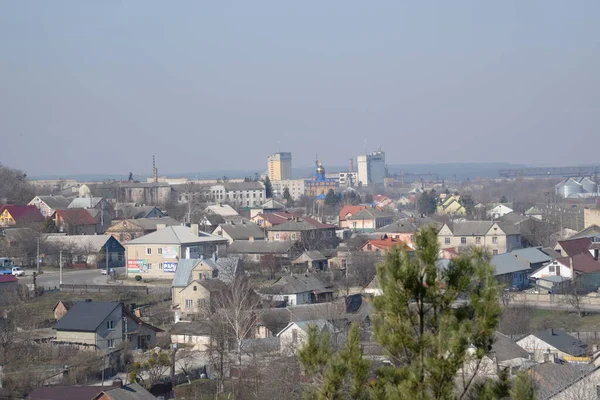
(279, 166)
(371, 168)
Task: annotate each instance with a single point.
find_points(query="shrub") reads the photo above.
(138, 278)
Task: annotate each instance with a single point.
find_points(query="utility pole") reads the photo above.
(106, 256)
(38, 255)
(60, 268)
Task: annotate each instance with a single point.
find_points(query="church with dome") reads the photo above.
(319, 185)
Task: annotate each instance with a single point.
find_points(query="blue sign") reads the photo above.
(170, 267)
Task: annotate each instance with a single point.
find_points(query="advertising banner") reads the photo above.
(137, 266)
(169, 252)
(169, 267)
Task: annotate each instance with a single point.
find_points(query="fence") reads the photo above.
(103, 288)
(592, 300)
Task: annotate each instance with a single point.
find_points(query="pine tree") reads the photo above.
(268, 187)
(288, 197)
(331, 199)
(523, 388)
(428, 338)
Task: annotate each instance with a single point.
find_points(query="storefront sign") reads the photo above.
(169, 267)
(137, 266)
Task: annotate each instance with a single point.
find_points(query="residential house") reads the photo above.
(559, 381)
(451, 206)
(49, 204)
(373, 288)
(382, 201)
(552, 345)
(572, 247)
(157, 254)
(511, 270)
(349, 210)
(306, 230)
(498, 211)
(243, 194)
(368, 220)
(592, 232)
(98, 203)
(135, 211)
(496, 237)
(535, 256)
(103, 326)
(117, 391)
(85, 250)
(11, 215)
(129, 229)
(74, 221)
(581, 267)
(312, 260)
(382, 244)
(403, 230)
(269, 220)
(295, 334)
(103, 219)
(298, 289)
(224, 210)
(194, 285)
(534, 212)
(239, 231)
(281, 252)
(196, 334)
(269, 206)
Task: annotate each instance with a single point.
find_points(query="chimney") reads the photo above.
(160, 226)
(117, 383)
(572, 269)
(195, 229)
(351, 165)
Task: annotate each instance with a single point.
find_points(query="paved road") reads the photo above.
(50, 279)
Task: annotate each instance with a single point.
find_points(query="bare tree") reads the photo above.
(574, 296)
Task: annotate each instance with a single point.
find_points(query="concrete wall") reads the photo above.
(591, 216)
(202, 343)
(76, 337)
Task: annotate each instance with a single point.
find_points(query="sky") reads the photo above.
(91, 86)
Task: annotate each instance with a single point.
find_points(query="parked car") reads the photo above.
(15, 271)
(103, 271)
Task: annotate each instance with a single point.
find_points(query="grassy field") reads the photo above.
(570, 321)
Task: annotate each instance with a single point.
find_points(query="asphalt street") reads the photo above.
(51, 278)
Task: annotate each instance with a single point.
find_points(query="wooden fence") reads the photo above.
(103, 288)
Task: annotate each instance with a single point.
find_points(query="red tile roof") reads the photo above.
(277, 218)
(76, 216)
(7, 278)
(317, 224)
(385, 243)
(350, 209)
(575, 246)
(23, 213)
(583, 263)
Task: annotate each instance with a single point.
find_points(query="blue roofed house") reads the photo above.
(510, 269)
(534, 256)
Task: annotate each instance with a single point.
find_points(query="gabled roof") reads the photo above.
(272, 205)
(509, 263)
(85, 202)
(55, 202)
(132, 391)
(175, 235)
(561, 340)
(243, 231)
(291, 284)
(401, 226)
(303, 224)
(277, 218)
(84, 243)
(147, 224)
(572, 247)
(76, 216)
(350, 209)
(224, 210)
(505, 349)
(192, 328)
(369, 213)
(385, 243)
(311, 255)
(183, 273)
(533, 255)
(479, 228)
(590, 231)
(260, 247)
(321, 324)
(143, 211)
(86, 316)
(583, 263)
(23, 214)
(533, 211)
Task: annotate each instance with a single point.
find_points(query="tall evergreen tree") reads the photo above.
(268, 187)
(523, 388)
(288, 197)
(428, 334)
(331, 199)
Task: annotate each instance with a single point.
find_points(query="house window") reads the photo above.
(495, 240)
(195, 288)
(551, 268)
(495, 252)
(160, 266)
(189, 303)
(110, 325)
(369, 247)
(478, 240)
(293, 236)
(277, 236)
(111, 343)
(160, 250)
(148, 251)
(294, 336)
(312, 234)
(463, 240)
(446, 240)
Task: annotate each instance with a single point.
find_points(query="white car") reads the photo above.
(103, 271)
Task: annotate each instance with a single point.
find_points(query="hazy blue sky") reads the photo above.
(101, 86)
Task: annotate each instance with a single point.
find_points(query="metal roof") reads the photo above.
(80, 242)
(508, 263)
(176, 235)
(533, 255)
(260, 247)
(86, 316)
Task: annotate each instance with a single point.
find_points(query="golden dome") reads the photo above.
(320, 169)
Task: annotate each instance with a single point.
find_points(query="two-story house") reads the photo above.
(295, 290)
(74, 221)
(368, 220)
(306, 230)
(196, 286)
(403, 230)
(104, 326)
(271, 219)
(98, 203)
(49, 204)
(157, 254)
(496, 237)
(242, 230)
